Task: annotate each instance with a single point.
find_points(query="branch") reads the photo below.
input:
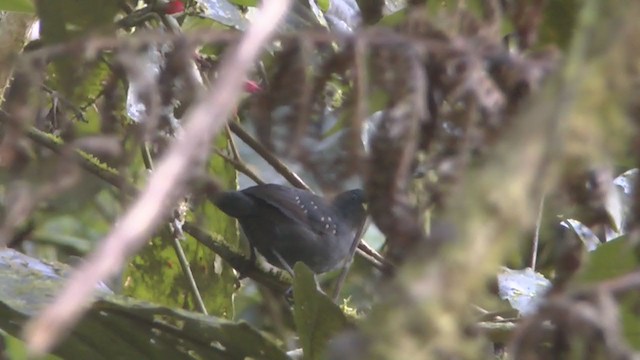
(268, 156)
(272, 280)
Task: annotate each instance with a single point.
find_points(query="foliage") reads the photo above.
(486, 134)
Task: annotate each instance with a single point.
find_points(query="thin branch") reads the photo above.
(91, 46)
(77, 112)
(176, 236)
(165, 187)
(536, 236)
(268, 156)
(240, 166)
(86, 161)
(349, 260)
(622, 284)
(276, 280)
(232, 144)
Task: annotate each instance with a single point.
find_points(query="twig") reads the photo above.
(622, 284)
(87, 161)
(273, 280)
(165, 187)
(232, 144)
(147, 160)
(371, 255)
(77, 112)
(241, 167)
(536, 236)
(348, 261)
(176, 236)
(278, 165)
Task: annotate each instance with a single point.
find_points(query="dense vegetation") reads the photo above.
(497, 143)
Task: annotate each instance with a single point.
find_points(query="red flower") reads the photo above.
(251, 87)
(174, 7)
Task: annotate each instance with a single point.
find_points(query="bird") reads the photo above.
(288, 225)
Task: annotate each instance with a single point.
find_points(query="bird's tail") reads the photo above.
(234, 203)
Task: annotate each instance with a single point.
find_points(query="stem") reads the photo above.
(176, 230)
(268, 156)
(536, 236)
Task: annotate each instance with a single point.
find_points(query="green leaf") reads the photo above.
(394, 19)
(117, 327)
(224, 12)
(195, 23)
(245, 2)
(609, 260)
(15, 348)
(192, 23)
(316, 317)
(25, 6)
(155, 274)
(613, 259)
(324, 5)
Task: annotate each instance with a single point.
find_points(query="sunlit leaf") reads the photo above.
(224, 12)
(524, 289)
(324, 4)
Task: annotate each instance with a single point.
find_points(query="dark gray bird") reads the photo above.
(287, 225)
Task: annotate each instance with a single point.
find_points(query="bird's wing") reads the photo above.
(311, 213)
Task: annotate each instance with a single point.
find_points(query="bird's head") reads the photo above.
(351, 206)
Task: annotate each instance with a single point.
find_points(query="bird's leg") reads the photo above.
(288, 268)
(288, 295)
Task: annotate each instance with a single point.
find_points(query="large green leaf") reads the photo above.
(610, 260)
(117, 327)
(317, 318)
(155, 273)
